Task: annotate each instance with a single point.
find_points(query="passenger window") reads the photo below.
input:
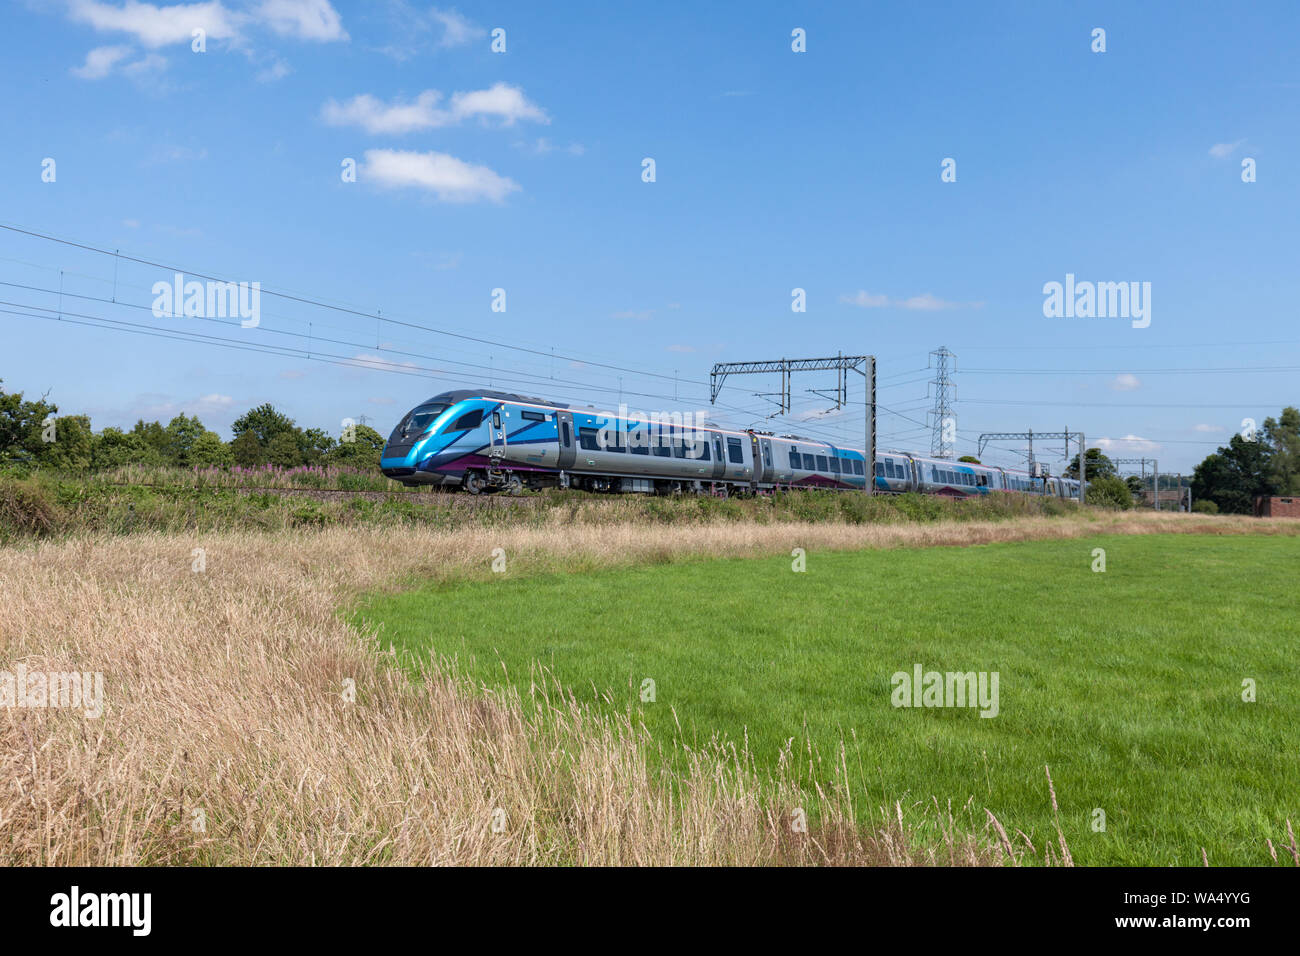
(588, 440)
(835, 465)
(857, 466)
(880, 469)
(810, 463)
(568, 438)
(821, 463)
(795, 461)
(532, 416)
(468, 421)
(735, 454)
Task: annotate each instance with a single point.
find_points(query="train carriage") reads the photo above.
(487, 441)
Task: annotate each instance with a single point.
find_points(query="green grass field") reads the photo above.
(1128, 683)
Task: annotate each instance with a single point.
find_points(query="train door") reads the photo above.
(497, 436)
(564, 426)
(719, 457)
(763, 466)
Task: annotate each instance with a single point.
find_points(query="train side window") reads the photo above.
(528, 416)
(567, 435)
(880, 469)
(735, 454)
(835, 465)
(857, 466)
(660, 450)
(795, 460)
(821, 463)
(697, 450)
(588, 440)
(468, 421)
(767, 455)
(638, 443)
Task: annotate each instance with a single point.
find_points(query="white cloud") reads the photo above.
(100, 62)
(379, 363)
(1125, 382)
(865, 300)
(925, 302)
(1224, 150)
(1129, 444)
(303, 19)
(158, 26)
(374, 116)
(149, 63)
(456, 30)
(278, 70)
(1209, 428)
(500, 102)
(449, 178)
(154, 26)
(542, 146)
(103, 60)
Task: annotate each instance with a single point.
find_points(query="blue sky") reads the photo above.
(775, 170)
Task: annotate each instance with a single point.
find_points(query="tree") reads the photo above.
(265, 423)
(317, 445)
(181, 434)
(362, 452)
(971, 459)
(153, 442)
(1234, 475)
(21, 424)
(1099, 466)
(113, 448)
(73, 445)
(1109, 491)
(247, 450)
(1135, 485)
(209, 449)
(283, 450)
(1283, 437)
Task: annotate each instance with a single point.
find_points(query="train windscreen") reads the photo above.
(415, 422)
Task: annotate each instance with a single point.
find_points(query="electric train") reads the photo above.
(488, 441)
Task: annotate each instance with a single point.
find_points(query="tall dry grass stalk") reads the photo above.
(226, 738)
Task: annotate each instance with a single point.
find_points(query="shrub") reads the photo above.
(1109, 492)
(26, 508)
(1205, 507)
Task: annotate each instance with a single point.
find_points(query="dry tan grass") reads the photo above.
(224, 697)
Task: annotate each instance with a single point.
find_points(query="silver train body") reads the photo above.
(488, 440)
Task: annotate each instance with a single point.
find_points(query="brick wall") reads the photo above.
(1278, 506)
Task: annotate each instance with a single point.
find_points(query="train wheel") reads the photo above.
(514, 485)
(473, 482)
